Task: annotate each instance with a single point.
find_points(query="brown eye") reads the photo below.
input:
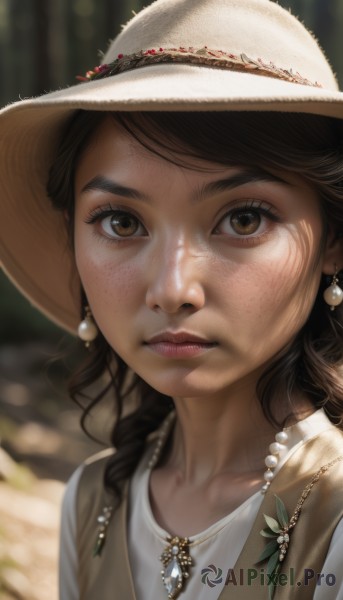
(245, 222)
(123, 224)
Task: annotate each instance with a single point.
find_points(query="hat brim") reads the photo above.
(34, 249)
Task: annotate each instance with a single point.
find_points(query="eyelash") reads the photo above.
(261, 208)
(103, 212)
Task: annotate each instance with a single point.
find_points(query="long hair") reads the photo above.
(308, 145)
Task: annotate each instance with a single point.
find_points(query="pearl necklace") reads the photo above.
(272, 460)
(176, 558)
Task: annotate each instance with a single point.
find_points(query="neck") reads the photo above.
(215, 436)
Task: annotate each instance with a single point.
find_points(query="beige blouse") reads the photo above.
(214, 551)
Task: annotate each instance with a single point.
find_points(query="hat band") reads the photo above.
(202, 56)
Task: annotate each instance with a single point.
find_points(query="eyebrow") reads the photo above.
(103, 184)
(239, 179)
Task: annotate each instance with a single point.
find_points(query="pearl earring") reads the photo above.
(87, 330)
(333, 295)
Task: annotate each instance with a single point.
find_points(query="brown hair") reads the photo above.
(305, 144)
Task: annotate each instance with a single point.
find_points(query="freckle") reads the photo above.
(126, 280)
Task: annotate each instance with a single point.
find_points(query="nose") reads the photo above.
(175, 280)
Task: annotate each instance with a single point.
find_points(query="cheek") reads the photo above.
(111, 286)
(273, 292)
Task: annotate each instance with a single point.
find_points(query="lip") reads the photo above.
(178, 337)
(181, 344)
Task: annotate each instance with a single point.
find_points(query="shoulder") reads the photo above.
(326, 447)
(88, 485)
(86, 482)
(325, 455)
(92, 470)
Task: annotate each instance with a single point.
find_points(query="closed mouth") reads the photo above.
(180, 338)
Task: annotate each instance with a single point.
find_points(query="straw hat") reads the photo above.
(221, 55)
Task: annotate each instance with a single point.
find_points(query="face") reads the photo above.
(197, 277)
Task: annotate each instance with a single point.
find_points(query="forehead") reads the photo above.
(271, 140)
(112, 149)
(111, 146)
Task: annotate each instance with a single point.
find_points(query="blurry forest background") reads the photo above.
(44, 44)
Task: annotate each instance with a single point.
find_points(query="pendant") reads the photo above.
(176, 561)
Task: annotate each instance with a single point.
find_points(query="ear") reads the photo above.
(333, 253)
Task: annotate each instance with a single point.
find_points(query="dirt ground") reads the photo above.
(41, 445)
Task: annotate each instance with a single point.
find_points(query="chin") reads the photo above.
(187, 385)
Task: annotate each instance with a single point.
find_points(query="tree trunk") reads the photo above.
(41, 76)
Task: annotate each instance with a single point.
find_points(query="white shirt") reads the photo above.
(214, 551)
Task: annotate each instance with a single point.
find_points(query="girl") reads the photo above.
(197, 177)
